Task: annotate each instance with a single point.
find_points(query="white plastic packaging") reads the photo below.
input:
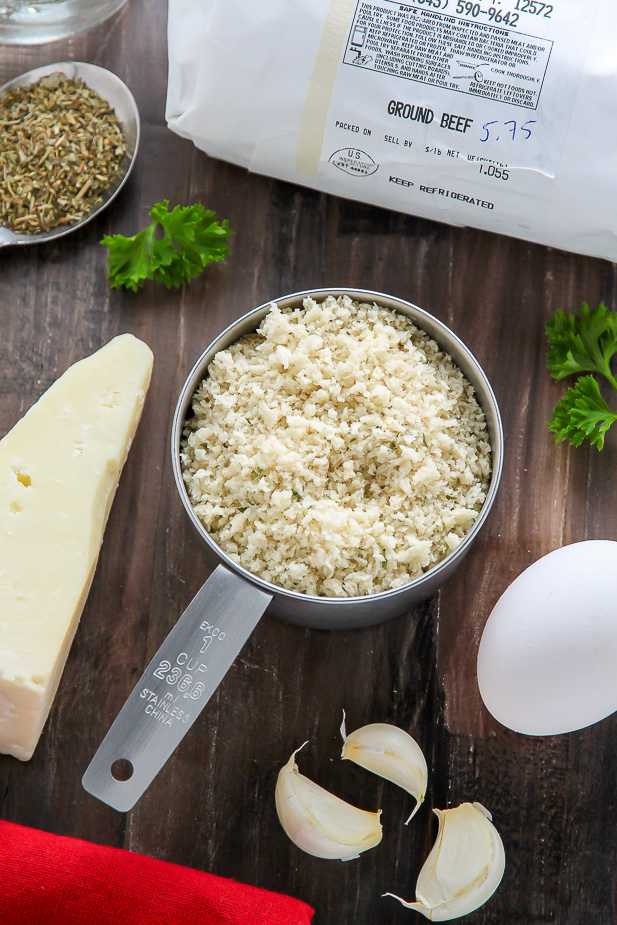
(498, 115)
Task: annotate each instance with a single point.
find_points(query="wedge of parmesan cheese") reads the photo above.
(59, 469)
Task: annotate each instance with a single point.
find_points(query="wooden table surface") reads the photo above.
(212, 806)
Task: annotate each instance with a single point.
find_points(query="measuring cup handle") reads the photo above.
(174, 688)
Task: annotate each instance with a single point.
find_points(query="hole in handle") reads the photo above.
(122, 770)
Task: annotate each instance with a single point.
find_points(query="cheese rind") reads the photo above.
(59, 469)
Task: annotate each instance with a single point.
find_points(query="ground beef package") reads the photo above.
(499, 114)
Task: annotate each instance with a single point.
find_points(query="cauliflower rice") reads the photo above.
(338, 451)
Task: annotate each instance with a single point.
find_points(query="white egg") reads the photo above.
(547, 661)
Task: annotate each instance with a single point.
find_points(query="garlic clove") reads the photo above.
(389, 752)
(319, 822)
(464, 868)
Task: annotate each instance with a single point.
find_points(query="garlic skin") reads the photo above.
(319, 822)
(464, 868)
(389, 752)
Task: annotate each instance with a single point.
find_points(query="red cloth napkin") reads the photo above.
(50, 880)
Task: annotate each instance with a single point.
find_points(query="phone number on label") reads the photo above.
(494, 14)
(508, 17)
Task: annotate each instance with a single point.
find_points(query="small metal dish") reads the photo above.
(118, 95)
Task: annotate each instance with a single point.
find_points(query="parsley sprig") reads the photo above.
(584, 342)
(174, 248)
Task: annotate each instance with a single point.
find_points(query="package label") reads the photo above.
(464, 104)
(445, 51)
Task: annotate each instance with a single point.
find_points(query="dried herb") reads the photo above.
(61, 147)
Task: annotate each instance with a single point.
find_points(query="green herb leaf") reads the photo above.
(128, 260)
(583, 342)
(256, 474)
(241, 510)
(582, 414)
(297, 495)
(392, 445)
(191, 239)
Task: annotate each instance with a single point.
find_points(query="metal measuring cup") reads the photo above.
(206, 640)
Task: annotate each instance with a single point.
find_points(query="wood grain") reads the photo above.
(212, 806)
